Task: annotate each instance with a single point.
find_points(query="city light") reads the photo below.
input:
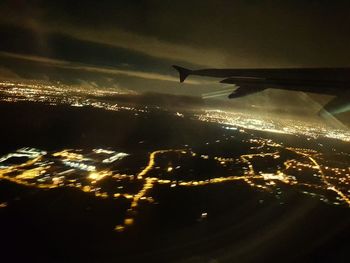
(308, 171)
(37, 172)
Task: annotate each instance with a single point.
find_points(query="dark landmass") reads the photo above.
(68, 225)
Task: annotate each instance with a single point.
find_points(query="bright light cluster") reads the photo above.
(304, 173)
(53, 94)
(235, 120)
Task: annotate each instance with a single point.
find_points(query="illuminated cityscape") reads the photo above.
(284, 126)
(86, 170)
(53, 94)
(151, 163)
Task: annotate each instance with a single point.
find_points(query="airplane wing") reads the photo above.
(183, 72)
(328, 81)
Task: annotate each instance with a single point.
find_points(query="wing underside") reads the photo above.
(250, 85)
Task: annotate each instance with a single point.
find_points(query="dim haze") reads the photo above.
(130, 46)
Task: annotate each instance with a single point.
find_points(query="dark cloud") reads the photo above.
(246, 33)
(58, 46)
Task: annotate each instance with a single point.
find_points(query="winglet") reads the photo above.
(183, 72)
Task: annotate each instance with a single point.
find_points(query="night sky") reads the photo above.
(131, 45)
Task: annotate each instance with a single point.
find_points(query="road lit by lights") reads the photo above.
(47, 170)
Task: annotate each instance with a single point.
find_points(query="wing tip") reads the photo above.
(183, 72)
